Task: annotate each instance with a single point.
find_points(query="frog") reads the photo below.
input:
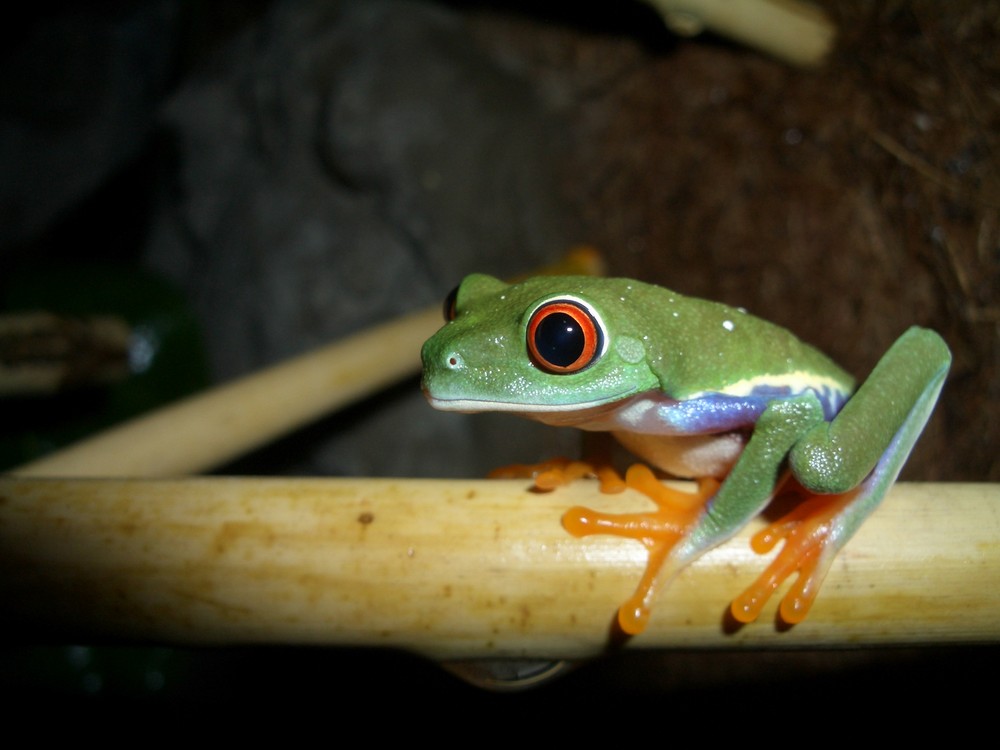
(697, 390)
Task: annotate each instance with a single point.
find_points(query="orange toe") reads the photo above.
(659, 530)
(808, 550)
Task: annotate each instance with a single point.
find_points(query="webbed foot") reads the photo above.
(812, 535)
(658, 530)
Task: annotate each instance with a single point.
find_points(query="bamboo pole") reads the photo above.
(795, 32)
(453, 569)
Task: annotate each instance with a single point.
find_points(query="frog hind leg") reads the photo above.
(811, 535)
(880, 425)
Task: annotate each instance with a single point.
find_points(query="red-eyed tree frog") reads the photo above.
(699, 390)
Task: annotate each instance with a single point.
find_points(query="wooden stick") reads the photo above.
(798, 33)
(210, 428)
(43, 353)
(453, 569)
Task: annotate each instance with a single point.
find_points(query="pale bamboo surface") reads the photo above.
(795, 32)
(454, 569)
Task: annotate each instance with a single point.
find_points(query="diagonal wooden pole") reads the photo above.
(208, 429)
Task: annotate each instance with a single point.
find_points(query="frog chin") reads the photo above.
(553, 414)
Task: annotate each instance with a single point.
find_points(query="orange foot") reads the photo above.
(810, 533)
(556, 472)
(658, 530)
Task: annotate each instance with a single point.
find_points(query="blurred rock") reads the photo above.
(343, 163)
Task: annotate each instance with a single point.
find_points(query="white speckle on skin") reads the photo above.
(728, 325)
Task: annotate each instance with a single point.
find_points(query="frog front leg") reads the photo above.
(849, 463)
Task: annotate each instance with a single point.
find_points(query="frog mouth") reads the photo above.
(553, 414)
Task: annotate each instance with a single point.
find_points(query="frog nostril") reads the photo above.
(454, 361)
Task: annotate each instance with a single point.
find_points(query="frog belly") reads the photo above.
(686, 456)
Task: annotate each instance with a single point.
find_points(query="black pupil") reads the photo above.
(559, 340)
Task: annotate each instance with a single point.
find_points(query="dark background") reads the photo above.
(295, 171)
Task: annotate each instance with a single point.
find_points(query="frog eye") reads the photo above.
(564, 336)
(449, 305)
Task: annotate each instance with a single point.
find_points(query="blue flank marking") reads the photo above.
(832, 400)
(715, 413)
(719, 413)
